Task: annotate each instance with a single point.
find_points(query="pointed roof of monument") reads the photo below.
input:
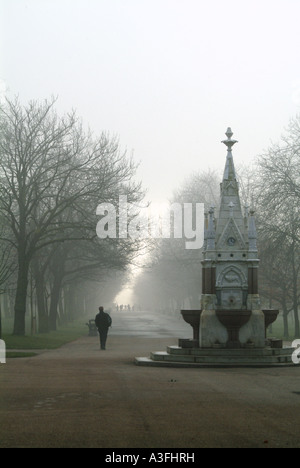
(230, 219)
(229, 171)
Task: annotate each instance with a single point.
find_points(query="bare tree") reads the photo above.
(172, 278)
(48, 167)
(278, 196)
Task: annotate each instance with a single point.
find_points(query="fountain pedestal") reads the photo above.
(270, 317)
(233, 320)
(192, 317)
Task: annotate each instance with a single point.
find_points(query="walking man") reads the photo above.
(103, 322)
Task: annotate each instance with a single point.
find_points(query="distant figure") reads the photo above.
(103, 322)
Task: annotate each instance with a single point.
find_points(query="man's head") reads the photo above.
(101, 309)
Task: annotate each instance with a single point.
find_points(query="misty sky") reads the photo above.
(167, 76)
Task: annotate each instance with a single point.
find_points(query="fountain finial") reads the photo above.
(229, 142)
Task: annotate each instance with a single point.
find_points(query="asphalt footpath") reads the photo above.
(78, 396)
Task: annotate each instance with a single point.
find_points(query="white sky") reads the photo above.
(167, 76)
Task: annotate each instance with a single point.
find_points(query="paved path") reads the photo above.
(79, 396)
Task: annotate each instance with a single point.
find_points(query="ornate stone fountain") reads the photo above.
(230, 326)
(230, 305)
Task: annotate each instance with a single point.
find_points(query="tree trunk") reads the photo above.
(297, 325)
(66, 306)
(285, 322)
(55, 293)
(0, 322)
(295, 293)
(20, 298)
(70, 305)
(43, 325)
(60, 308)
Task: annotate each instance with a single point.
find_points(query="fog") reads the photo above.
(157, 83)
(168, 77)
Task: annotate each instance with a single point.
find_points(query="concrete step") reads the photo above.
(177, 350)
(148, 362)
(164, 356)
(182, 357)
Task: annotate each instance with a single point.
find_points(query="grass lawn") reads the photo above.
(276, 329)
(51, 340)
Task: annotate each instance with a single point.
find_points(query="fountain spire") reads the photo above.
(229, 171)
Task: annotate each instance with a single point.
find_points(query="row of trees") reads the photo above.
(172, 278)
(278, 200)
(53, 175)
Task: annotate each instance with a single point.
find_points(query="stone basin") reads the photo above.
(192, 317)
(270, 317)
(233, 320)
